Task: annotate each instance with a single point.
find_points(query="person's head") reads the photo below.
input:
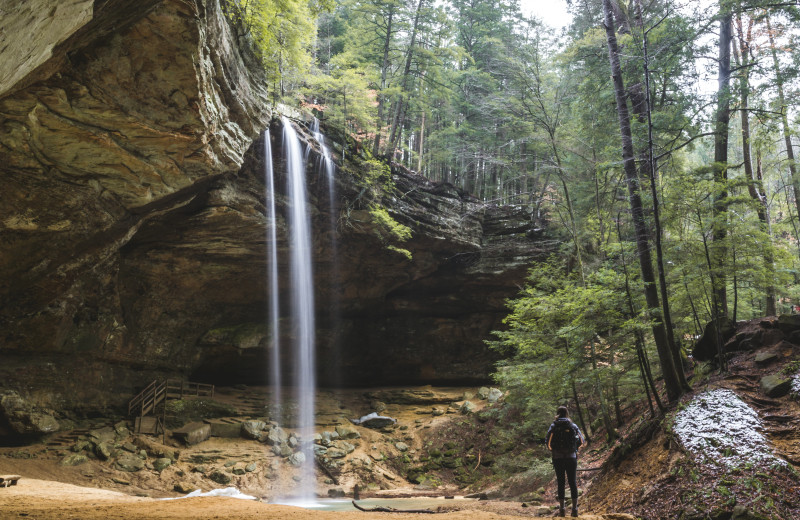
(562, 412)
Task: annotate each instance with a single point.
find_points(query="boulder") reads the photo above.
(401, 446)
(105, 434)
(161, 464)
(130, 463)
(277, 436)
(74, 459)
(788, 323)
(706, 347)
(184, 487)
(103, 451)
(193, 433)
(347, 433)
(775, 385)
(336, 453)
(297, 459)
(253, 429)
(121, 429)
(25, 418)
(285, 451)
(468, 407)
(494, 395)
(219, 477)
(250, 467)
(345, 446)
(483, 393)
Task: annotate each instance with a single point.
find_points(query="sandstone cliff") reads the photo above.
(133, 229)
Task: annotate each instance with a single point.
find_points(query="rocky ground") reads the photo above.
(117, 471)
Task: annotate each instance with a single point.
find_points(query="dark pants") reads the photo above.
(566, 468)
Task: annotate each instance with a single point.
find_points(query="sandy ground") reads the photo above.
(48, 500)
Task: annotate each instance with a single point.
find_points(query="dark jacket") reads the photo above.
(578, 437)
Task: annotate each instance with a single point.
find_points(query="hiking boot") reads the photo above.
(561, 510)
(575, 512)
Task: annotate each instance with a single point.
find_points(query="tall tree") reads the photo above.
(665, 355)
(721, 129)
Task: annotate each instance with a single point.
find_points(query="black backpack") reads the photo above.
(563, 438)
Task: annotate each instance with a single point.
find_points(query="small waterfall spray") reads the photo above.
(272, 278)
(302, 298)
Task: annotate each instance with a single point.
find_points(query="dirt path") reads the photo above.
(48, 500)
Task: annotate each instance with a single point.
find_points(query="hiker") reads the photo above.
(563, 439)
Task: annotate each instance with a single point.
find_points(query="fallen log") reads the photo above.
(392, 510)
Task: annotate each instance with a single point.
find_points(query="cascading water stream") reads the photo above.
(329, 168)
(272, 278)
(302, 305)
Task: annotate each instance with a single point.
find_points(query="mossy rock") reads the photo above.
(451, 463)
(74, 459)
(219, 477)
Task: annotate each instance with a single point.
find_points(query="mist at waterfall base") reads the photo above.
(301, 315)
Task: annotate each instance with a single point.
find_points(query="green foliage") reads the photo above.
(282, 33)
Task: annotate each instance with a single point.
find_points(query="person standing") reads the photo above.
(564, 439)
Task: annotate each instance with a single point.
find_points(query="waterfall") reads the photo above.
(328, 167)
(302, 304)
(272, 278)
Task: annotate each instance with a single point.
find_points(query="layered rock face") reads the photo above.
(133, 225)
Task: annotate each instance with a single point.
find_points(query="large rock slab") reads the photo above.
(193, 433)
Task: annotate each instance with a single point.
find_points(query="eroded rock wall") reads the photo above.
(138, 113)
(133, 228)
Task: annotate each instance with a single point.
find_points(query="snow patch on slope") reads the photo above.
(719, 427)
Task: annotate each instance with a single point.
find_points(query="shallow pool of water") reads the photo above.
(345, 504)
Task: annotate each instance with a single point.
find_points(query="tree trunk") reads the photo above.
(665, 355)
(384, 70)
(587, 427)
(644, 364)
(787, 135)
(406, 71)
(650, 172)
(753, 185)
(719, 224)
(421, 142)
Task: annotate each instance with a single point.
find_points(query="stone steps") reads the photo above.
(66, 438)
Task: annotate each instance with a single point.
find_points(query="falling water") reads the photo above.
(328, 167)
(272, 253)
(302, 298)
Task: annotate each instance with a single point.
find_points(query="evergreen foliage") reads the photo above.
(476, 94)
